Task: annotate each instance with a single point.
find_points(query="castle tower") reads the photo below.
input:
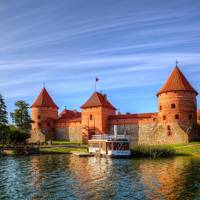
(44, 111)
(95, 113)
(177, 103)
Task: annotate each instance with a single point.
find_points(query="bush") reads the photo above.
(17, 136)
(152, 151)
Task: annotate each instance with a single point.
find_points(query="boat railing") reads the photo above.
(108, 137)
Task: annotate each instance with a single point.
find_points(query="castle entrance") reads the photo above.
(91, 133)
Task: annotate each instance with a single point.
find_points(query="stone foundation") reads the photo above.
(153, 134)
(69, 133)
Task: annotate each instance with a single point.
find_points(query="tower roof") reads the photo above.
(176, 82)
(97, 99)
(69, 114)
(44, 100)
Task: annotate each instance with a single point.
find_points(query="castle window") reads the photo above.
(160, 107)
(164, 117)
(48, 124)
(176, 116)
(190, 117)
(173, 105)
(169, 133)
(90, 117)
(168, 128)
(38, 116)
(39, 124)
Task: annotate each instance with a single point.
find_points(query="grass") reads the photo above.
(152, 151)
(192, 149)
(61, 150)
(66, 143)
(156, 151)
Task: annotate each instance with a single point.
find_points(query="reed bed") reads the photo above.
(152, 151)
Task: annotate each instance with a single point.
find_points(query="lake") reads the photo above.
(69, 177)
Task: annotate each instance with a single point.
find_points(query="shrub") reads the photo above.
(18, 137)
(153, 151)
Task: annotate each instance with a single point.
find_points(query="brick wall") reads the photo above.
(37, 137)
(71, 131)
(95, 121)
(148, 131)
(183, 104)
(39, 115)
(152, 134)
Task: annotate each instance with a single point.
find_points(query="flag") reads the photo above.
(97, 79)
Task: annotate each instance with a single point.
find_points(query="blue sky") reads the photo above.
(130, 45)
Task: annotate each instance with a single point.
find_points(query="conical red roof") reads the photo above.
(97, 99)
(176, 82)
(44, 100)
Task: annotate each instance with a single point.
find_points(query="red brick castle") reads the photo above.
(175, 122)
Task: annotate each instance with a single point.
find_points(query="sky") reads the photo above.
(131, 46)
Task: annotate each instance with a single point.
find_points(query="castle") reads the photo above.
(175, 122)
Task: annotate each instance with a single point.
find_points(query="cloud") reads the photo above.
(69, 43)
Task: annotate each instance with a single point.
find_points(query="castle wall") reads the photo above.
(138, 130)
(152, 134)
(71, 131)
(106, 112)
(36, 137)
(148, 131)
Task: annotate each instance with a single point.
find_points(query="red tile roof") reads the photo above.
(44, 100)
(97, 99)
(132, 116)
(176, 82)
(69, 115)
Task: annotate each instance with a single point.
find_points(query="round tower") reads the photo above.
(177, 102)
(44, 111)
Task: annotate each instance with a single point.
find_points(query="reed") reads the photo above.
(152, 151)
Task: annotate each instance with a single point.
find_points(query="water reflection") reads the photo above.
(70, 177)
(167, 179)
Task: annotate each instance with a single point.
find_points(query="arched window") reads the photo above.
(176, 116)
(39, 124)
(38, 116)
(160, 107)
(90, 117)
(173, 105)
(164, 117)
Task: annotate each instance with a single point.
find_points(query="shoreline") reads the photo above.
(190, 149)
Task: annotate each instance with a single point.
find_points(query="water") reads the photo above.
(69, 177)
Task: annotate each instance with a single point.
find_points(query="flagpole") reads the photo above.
(95, 84)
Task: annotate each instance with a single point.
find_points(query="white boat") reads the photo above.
(109, 145)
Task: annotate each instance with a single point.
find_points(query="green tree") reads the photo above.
(3, 120)
(17, 136)
(22, 120)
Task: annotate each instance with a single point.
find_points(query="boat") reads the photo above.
(109, 145)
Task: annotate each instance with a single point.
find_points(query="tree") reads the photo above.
(22, 120)
(3, 120)
(17, 136)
